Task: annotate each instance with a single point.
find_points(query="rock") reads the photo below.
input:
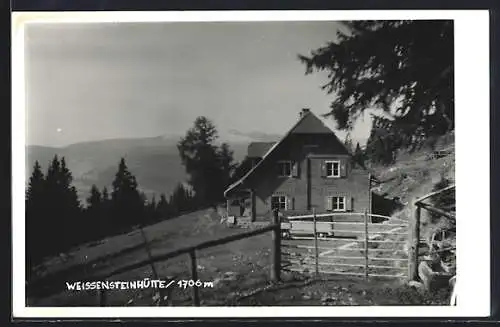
(130, 301)
(306, 297)
(420, 287)
(229, 276)
(328, 298)
(432, 280)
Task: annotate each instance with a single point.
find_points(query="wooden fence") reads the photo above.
(418, 205)
(354, 246)
(191, 251)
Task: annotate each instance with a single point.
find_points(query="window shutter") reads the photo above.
(343, 168)
(323, 169)
(348, 203)
(328, 203)
(288, 203)
(295, 169)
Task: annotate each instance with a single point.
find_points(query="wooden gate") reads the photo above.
(348, 244)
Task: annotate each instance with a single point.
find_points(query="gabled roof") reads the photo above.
(307, 124)
(310, 124)
(258, 149)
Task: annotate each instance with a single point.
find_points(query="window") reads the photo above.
(284, 168)
(336, 203)
(278, 202)
(332, 168)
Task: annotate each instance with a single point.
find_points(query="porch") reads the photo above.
(241, 206)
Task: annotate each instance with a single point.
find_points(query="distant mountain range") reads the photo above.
(154, 161)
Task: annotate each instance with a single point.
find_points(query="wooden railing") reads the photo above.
(418, 205)
(191, 251)
(333, 257)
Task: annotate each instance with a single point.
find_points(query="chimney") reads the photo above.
(303, 112)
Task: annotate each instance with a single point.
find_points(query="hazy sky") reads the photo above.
(96, 81)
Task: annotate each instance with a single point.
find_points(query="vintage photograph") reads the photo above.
(248, 163)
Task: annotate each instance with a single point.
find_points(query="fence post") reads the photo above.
(194, 276)
(153, 268)
(366, 244)
(370, 200)
(102, 298)
(414, 244)
(316, 254)
(276, 249)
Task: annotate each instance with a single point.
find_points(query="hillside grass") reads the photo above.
(248, 258)
(414, 175)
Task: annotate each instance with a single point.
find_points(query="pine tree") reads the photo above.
(403, 71)
(105, 195)
(106, 221)
(208, 166)
(53, 212)
(35, 185)
(145, 214)
(242, 168)
(94, 201)
(63, 207)
(382, 146)
(163, 208)
(126, 202)
(175, 202)
(359, 155)
(152, 209)
(35, 214)
(93, 214)
(348, 143)
(53, 178)
(227, 167)
(71, 207)
(181, 200)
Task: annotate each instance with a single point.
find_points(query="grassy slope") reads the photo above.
(247, 257)
(413, 176)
